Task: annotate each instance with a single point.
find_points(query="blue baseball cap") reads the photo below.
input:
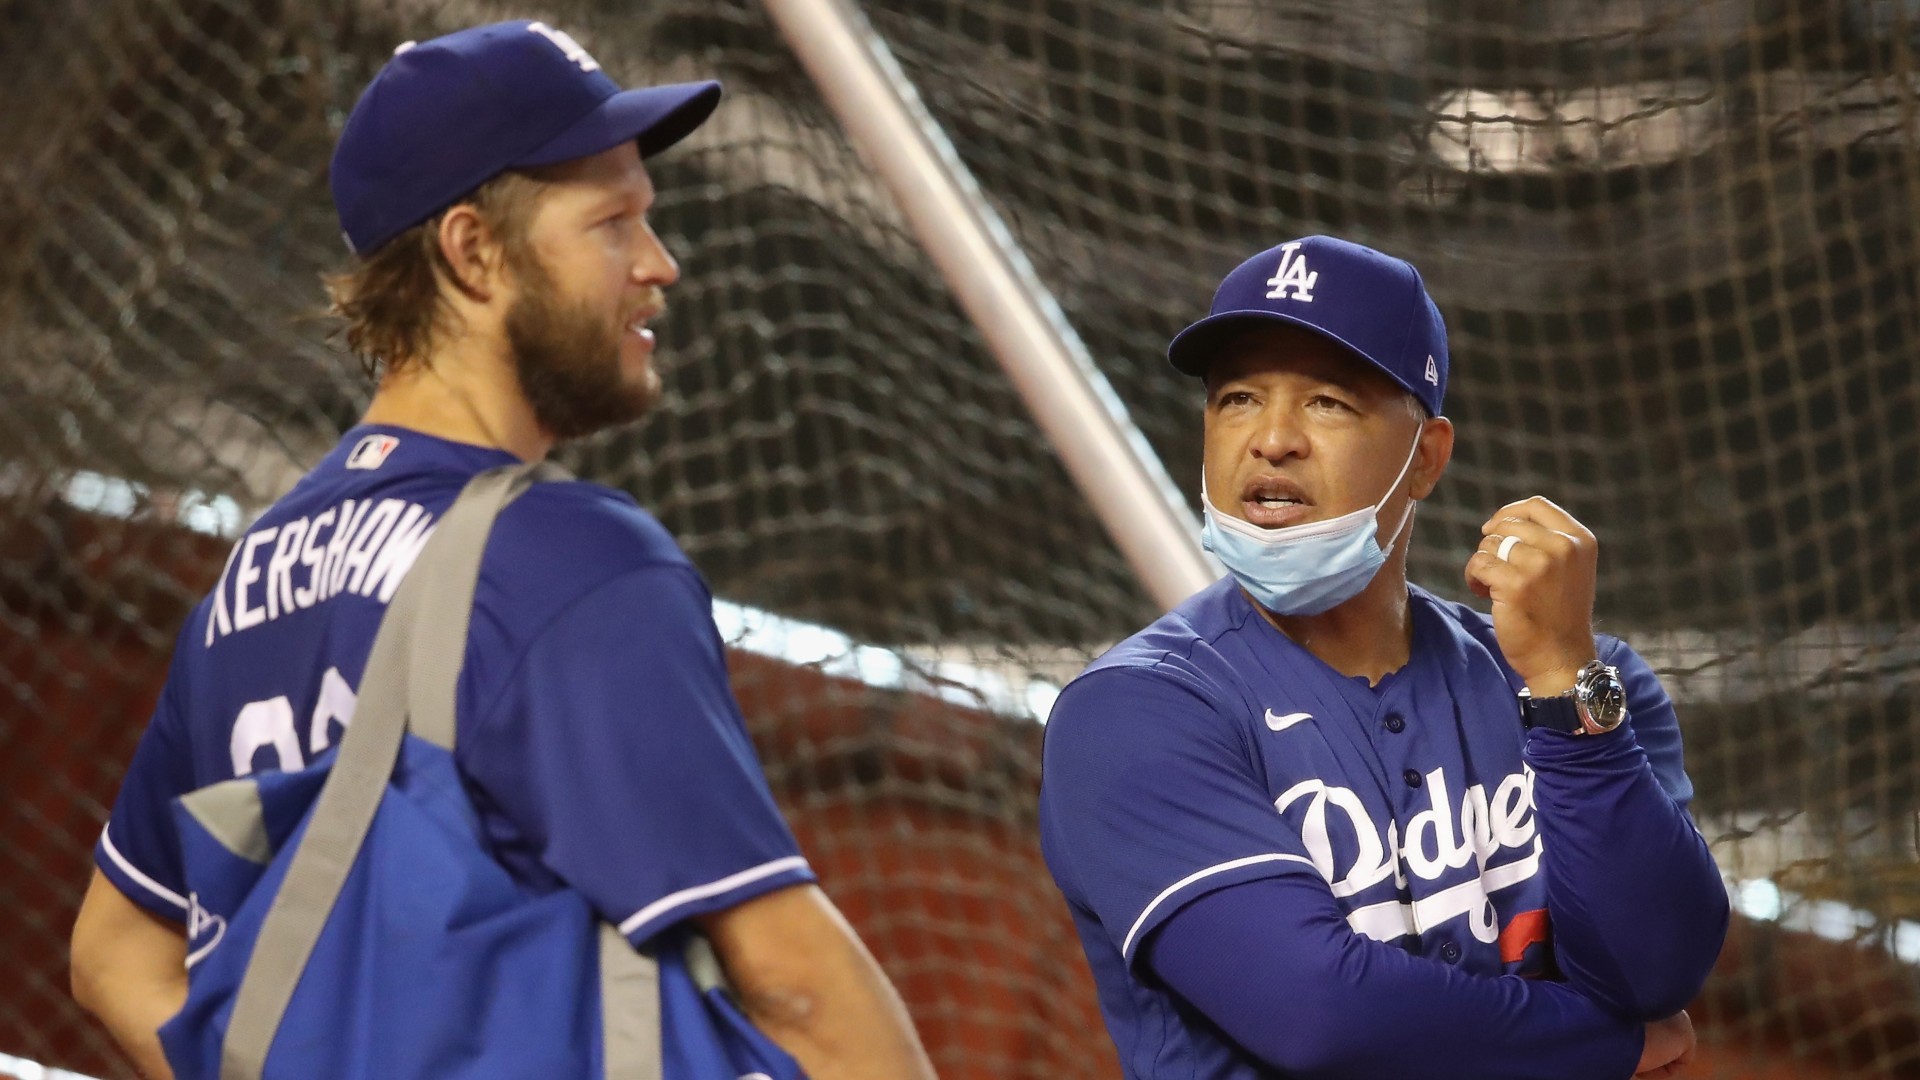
(1374, 304)
(447, 115)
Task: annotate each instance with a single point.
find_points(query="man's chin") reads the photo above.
(652, 388)
(637, 368)
(613, 407)
(642, 393)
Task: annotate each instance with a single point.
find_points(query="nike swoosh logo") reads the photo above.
(1282, 723)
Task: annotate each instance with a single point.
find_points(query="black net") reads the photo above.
(1673, 240)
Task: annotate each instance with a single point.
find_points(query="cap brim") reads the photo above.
(655, 117)
(1192, 349)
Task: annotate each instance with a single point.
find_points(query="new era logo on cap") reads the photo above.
(1372, 303)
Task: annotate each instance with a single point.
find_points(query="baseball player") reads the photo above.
(492, 184)
(1317, 821)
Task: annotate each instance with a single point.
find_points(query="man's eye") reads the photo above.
(1322, 401)
(1235, 397)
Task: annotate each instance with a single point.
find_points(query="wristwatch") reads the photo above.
(1596, 705)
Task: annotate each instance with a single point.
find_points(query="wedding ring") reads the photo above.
(1506, 547)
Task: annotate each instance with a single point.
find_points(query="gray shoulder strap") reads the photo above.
(439, 644)
(414, 665)
(629, 1009)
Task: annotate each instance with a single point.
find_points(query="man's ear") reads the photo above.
(472, 253)
(1436, 450)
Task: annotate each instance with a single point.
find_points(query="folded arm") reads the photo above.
(1273, 963)
(1639, 910)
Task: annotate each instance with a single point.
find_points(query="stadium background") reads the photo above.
(1674, 240)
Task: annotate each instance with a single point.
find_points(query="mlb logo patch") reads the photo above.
(372, 452)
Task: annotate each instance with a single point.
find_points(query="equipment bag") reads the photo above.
(347, 921)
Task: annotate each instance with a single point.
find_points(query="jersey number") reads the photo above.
(269, 726)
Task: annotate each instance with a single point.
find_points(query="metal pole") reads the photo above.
(1107, 456)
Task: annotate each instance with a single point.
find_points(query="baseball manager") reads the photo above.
(1319, 822)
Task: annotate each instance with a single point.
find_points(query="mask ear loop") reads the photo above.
(1406, 515)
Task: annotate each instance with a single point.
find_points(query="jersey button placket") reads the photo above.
(1395, 724)
(1412, 777)
(1450, 952)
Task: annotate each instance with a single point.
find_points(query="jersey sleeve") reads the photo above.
(1655, 724)
(139, 851)
(1274, 965)
(1638, 906)
(617, 749)
(1149, 799)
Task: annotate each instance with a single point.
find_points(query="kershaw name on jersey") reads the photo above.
(360, 546)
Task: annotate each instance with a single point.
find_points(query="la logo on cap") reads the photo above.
(372, 452)
(1293, 274)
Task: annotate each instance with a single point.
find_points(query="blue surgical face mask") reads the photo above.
(1304, 569)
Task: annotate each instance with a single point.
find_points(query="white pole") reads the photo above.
(1107, 456)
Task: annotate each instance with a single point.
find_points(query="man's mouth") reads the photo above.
(637, 325)
(1274, 502)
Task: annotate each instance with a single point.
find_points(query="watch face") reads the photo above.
(1605, 699)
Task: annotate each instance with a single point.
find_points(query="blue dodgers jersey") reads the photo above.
(1209, 749)
(597, 732)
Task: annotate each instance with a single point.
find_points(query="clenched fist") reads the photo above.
(1537, 564)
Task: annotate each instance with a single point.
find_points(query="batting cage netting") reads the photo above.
(1674, 241)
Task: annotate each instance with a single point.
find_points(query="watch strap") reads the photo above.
(1556, 713)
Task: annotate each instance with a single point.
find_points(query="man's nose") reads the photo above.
(654, 264)
(1279, 436)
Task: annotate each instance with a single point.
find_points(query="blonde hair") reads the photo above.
(392, 302)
